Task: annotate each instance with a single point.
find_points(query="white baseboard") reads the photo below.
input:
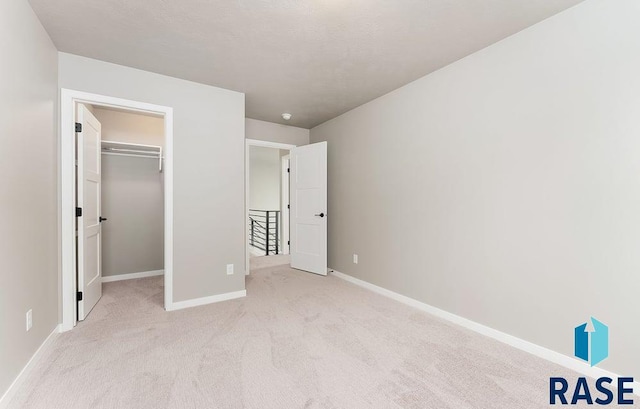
(11, 391)
(132, 276)
(206, 300)
(537, 350)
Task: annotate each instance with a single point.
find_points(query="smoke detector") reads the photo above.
(286, 116)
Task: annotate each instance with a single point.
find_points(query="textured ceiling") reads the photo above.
(313, 58)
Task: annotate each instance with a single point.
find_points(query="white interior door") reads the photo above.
(89, 235)
(308, 187)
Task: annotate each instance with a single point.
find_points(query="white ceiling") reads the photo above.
(313, 58)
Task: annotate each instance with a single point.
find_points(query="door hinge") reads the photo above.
(288, 242)
(78, 211)
(288, 170)
(288, 206)
(79, 296)
(78, 127)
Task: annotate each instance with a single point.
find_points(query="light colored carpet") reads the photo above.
(297, 340)
(257, 263)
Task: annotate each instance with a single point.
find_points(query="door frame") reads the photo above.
(248, 144)
(67, 188)
(285, 200)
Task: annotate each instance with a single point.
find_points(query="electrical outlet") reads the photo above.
(229, 269)
(29, 319)
(355, 259)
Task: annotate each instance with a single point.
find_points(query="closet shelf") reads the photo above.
(134, 150)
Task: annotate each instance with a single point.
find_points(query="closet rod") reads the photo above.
(132, 155)
(132, 151)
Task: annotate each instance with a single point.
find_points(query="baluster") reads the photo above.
(267, 235)
(277, 230)
(252, 234)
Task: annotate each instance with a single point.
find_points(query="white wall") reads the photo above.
(265, 178)
(28, 210)
(269, 131)
(130, 127)
(208, 168)
(505, 188)
(132, 196)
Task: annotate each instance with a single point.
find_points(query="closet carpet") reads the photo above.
(297, 340)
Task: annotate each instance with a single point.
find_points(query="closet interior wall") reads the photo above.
(132, 196)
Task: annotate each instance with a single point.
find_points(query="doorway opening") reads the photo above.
(116, 197)
(130, 202)
(267, 200)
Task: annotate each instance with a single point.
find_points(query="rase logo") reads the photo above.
(591, 344)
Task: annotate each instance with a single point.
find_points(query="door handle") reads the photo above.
(102, 219)
(320, 215)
